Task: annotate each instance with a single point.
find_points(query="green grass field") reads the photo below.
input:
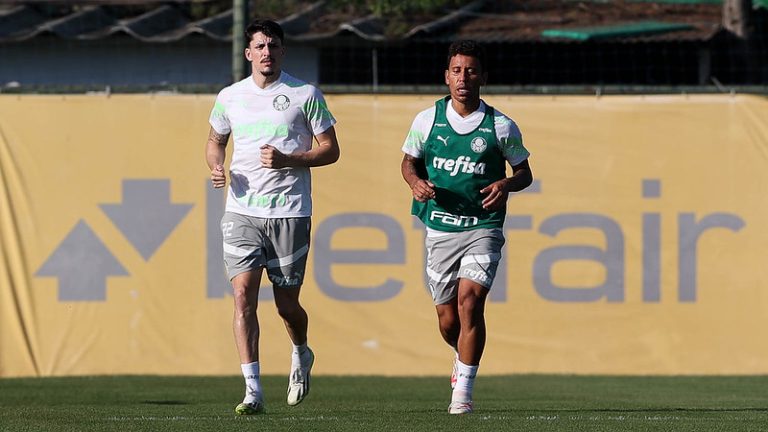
(514, 403)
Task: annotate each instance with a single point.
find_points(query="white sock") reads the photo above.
(465, 380)
(252, 383)
(300, 355)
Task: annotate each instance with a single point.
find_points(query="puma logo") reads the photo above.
(444, 140)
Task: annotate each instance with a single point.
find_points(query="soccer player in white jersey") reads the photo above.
(273, 119)
(455, 164)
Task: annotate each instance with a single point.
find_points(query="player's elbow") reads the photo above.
(333, 154)
(527, 179)
(521, 180)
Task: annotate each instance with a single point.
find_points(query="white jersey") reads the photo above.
(510, 139)
(287, 114)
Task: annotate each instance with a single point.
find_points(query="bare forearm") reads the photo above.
(521, 179)
(216, 149)
(318, 156)
(410, 171)
(415, 174)
(326, 152)
(215, 152)
(214, 156)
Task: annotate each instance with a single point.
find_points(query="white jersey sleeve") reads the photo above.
(419, 132)
(510, 139)
(219, 120)
(316, 110)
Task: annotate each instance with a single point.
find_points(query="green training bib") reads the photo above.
(460, 166)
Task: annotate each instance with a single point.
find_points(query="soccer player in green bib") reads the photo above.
(455, 164)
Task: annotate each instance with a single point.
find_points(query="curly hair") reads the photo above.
(468, 48)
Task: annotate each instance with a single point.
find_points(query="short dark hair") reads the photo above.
(468, 48)
(268, 27)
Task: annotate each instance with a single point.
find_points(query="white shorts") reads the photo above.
(473, 255)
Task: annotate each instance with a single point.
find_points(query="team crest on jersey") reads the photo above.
(478, 144)
(281, 102)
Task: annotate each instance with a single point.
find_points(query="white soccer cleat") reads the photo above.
(460, 408)
(298, 381)
(250, 408)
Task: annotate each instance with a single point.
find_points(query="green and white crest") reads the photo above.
(281, 102)
(478, 144)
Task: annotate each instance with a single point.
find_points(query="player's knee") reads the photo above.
(450, 330)
(470, 305)
(288, 310)
(448, 322)
(467, 301)
(239, 292)
(245, 299)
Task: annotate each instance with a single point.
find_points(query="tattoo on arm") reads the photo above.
(415, 166)
(218, 138)
(409, 167)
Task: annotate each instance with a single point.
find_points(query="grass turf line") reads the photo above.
(518, 402)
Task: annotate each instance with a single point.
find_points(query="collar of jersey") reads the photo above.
(451, 113)
(271, 87)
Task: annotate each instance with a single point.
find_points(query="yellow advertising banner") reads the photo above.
(639, 248)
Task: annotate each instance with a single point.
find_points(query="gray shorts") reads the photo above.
(473, 255)
(280, 245)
